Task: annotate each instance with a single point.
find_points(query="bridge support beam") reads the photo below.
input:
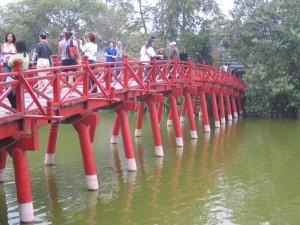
(51, 146)
(222, 110)
(240, 109)
(155, 128)
(139, 121)
(228, 108)
(235, 114)
(205, 119)
(127, 142)
(116, 128)
(183, 111)
(170, 119)
(3, 156)
(176, 123)
(190, 111)
(215, 109)
(160, 106)
(22, 180)
(83, 127)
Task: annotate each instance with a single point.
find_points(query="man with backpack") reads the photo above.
(69, 50)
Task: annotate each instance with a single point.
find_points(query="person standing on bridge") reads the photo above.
(89, 48)
(21, 55)
(147, 53)
(43, 53)
(8, 49)
(69, 51)
(174, 53)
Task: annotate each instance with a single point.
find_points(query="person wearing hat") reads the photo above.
(174, 53)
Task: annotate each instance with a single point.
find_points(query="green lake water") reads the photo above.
(245, 173)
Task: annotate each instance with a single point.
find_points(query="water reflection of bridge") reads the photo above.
(76, 103)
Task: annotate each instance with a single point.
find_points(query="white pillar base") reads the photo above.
(223, 121)
(229, 117)
(138, 133)
(2, 175)
(179, 141)
(26, 212)
(169, 122)
(200, 114)
(114, 139)
(49, 159)
(131, 164)
(206, 128)
(235, 115)
(182, 119)
(194, 134)
(159, 151)
(91, 182)
(217, 124)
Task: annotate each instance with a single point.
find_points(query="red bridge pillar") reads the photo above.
(22, 180)
(205, 119)
(170, 120)
(139, 121)
(176, 123)
(83, 127)
(155, 127)
(183, 111)
(127, 142)
(222, 110)
(160, 111)
(235, 114)
(228, 108)
(3, 156)
(116, 128)
(51, 146)
(215, 109)
(240, 105)
(189, 107)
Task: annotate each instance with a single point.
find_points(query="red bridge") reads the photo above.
(47, 96)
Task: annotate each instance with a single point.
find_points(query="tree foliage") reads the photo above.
(265, 35)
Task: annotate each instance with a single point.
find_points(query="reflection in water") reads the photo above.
(3, 206)
(244, 171)
(90, 211)
(56, 207)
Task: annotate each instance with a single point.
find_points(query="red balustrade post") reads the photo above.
(83, 129)
(22, 180)
(125, 71)
(240, 105)
(159, 152)
(116, 129)
(57, 84)
(139, 120)
(183, 111)
(215, 108)
(189, 106)
(170, 120)
(19, 96)
(127, 142)
(235, 114)
(222, 110)
(205, 119)
(228, 108)
(3, 156)
(176, 123)
(51, 146)
(85, 86)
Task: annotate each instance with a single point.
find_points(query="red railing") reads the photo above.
(36, 90)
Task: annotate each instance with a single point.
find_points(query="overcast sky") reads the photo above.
(225, 5)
